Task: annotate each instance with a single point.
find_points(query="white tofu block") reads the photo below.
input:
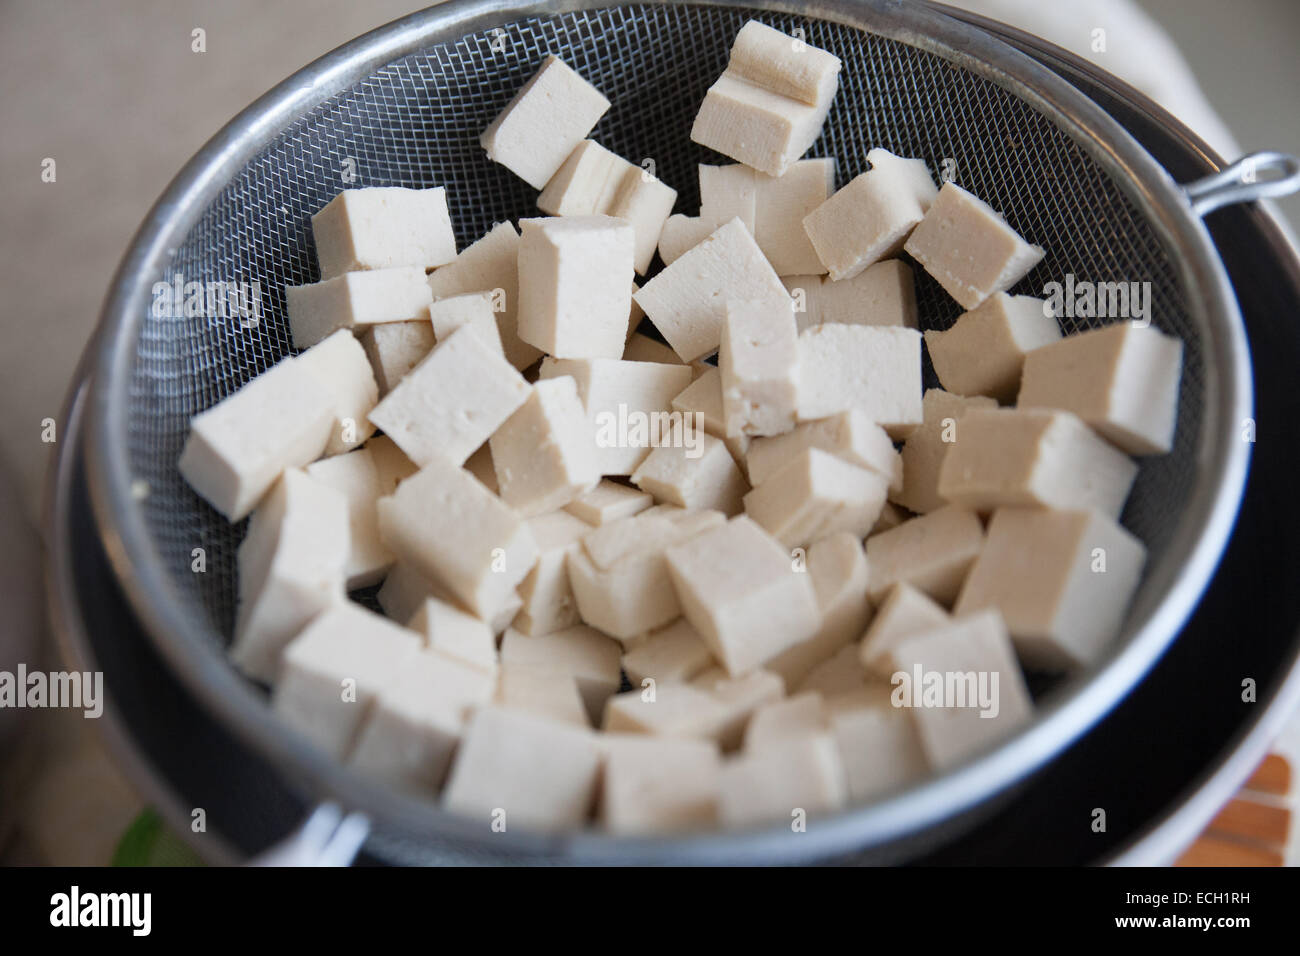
(642, 348)
(452, 401)
(805, 295)
(622, 400)
(911, 175)
(850, 435)
(542, 124)
(236, 449)
(356, 477)
(905, 611)
(583, 653)
(783, 202)
(880, 749)
(687, 301)
(711, 707)
(655, 785)
(969, 249)
(607, 502)
(491, 265)
(472, 309)
(1122, 380)
(575, 285)
(391, 463)
(802, 715)
(742, 697)
(739, 590)
(548, 599)
(876, 370)
(881, 294)
(1062, 581)
(757, 360)
(784, 64)
(340, 364)
(456, 634)
(866, 221)
(394, 348)
(984, 351)
(543, 692)
(291, 568)
(815, 495)
(797, 779)
(526, 772)
(1033, 457)
(542, 454)
(681, 233)
(355, 300)
(973, 658)
(675, 652)
(838, 567)
(481, 466)
(417, 722)
(841, 677)
(335, 670)
(383, 227)
(620, 576)
(729, 192)
(932, 553)
(925, 449)
(458, 534)
(695, 476)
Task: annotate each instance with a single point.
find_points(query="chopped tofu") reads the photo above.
(738, 589)
(880, 748)
(642, 348)
(814, 495)
(963, 686)
(472, 309)
(1033, 457)
(682, 233)
(291, 568)
(795, 780)
(741, 696)
(874, 369)
(925, 449)
(543, 692)
(394, 348)
(334, 671)
(758, 364)
(909, 175)
(456, 634)
(515, 770)
(356, 300)
(687, 301)
(383, 227)
(770, 104)
(544, 122)
(460, 535)
(417, 722)
(984, 351)
(491, 265)
(1062, 581)
(1122, 380)
(548, 599)
(356, 477)
(904, 612)
(931, 553)
(452, 401)
(729, 192)
(881, 294)
(783, 202)
(236, 449)
(658, 784)
(672, 653)
(582, 653)
(542, 454)
(849, 435)
(969, 249)
(699, 474)
(575, 285)
(340, 364)
(802, 715)
(607, 502)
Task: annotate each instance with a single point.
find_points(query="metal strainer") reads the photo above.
(403, 106)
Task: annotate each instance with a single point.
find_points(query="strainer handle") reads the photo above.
(326, 838)
(1242, 181)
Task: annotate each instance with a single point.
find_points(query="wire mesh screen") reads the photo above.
(416, 123)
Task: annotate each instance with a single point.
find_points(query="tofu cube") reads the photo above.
(697, 475)
(905, 611)
(383, 227)
(523, 772)
(738, 589)
(801, 778)
(549, 604)
(458, 534)
(932, 553)
(803, 715)
(542, 454)
(783, 202)
(1033, 457)
(876, 370)
(237, 449)
(472, 309)
(984, 351)
(355, 300)
(334, 671)
(687, 301)
(910, 175)
(1122, 380)
(784, 64)
(655, 785)
(969, 249)
(1062, 581)
(357, 478)
(607, 502)
(452, 401)
(542, 692)
(925, 449)
(741, 698)
(394, 348)
(729, 192)
(879, 747)
(757, 361)
(851, 436)
(582, 653)
(542, 124)
(682, 233)
(815, 495)
(575, 285)
(340, 364)
(963, 687)
(456, 634)
(675, 652)
(881, 294)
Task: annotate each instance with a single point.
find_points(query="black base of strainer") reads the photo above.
(1174, 737)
